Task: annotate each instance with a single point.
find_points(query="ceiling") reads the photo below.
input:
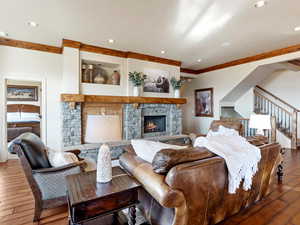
(187, 30)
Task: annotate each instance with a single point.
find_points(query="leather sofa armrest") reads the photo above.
(152, 182)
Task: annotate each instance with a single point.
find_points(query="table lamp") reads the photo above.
(103, 129)
(260, 122)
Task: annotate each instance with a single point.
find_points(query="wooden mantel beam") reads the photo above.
(120, 99)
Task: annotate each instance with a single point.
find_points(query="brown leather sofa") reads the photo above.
(195, 192)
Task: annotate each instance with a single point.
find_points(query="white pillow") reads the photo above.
(30, 116)
(13, 117)
(60, 158)
(147, 149)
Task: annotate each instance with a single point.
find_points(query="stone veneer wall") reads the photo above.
(71, 125)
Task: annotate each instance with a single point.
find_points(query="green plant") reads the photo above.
(176, 84)
(137, 78)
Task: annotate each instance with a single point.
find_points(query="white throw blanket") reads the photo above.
(240, 156)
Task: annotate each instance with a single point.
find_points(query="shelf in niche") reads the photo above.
(100, 73)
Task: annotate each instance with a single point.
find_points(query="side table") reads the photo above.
(89, 201)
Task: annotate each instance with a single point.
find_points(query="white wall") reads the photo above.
(223, 81)
(244, 105)
(70, 71)
(25, 64)
(284, 84)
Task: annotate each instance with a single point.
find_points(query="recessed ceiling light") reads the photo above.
(199, 60)
(261, 3)
(162, 52)
(111, 41)
(32, 24)
(3, 34)
(297, 28)
(225, 44)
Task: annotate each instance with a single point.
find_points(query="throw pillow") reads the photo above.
(60, 158)
(146, 149)
(166, 159)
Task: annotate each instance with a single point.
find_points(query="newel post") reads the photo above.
(294, 129)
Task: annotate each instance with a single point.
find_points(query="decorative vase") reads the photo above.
(177, 93)
(99, 79)
(90, 67)
(136, 91)
(104, 170)
(115, 78)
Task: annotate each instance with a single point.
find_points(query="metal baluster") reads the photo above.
(285, 125)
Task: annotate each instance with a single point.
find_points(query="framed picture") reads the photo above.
(157, 81)
(22, 93)
(204, 102)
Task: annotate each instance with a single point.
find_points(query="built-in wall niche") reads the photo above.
(97, 72)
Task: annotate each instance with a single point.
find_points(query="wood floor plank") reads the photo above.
(281, 207)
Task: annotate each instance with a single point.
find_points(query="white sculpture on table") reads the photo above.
(104, 169)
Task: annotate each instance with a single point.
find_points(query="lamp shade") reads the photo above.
(103, 128)
(262, 122)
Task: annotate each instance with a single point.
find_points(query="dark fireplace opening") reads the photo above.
(154, 124)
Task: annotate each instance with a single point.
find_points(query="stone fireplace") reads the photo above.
(146, 120)
(134, 120)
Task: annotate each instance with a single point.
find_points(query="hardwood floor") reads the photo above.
(281, 207)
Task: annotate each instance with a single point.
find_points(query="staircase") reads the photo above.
(286, 116)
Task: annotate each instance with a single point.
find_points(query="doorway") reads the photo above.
(24, 103)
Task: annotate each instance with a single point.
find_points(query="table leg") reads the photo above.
(132, 216)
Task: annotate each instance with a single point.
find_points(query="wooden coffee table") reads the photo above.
(90, 201)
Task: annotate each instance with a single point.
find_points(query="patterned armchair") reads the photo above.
(47, 183)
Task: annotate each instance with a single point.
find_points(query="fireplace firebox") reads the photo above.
(154, 124)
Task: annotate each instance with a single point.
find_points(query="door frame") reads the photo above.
(4, 156)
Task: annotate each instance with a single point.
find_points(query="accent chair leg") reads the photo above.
(37, 211)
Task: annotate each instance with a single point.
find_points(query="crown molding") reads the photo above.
(265, 55)
(71, 44)
(30, 45)
(144, 57)
(134, 55)
(186, 70)
(101, 50)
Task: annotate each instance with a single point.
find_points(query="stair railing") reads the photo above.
(247, 131)
(286, 116)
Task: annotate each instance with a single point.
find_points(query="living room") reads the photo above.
(133, 99)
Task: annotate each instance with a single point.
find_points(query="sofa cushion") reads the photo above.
(146, 149)
(236, 125)
(37, 157)
(165, 159)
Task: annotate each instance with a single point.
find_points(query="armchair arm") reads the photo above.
(52, 182)
(81, 164)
